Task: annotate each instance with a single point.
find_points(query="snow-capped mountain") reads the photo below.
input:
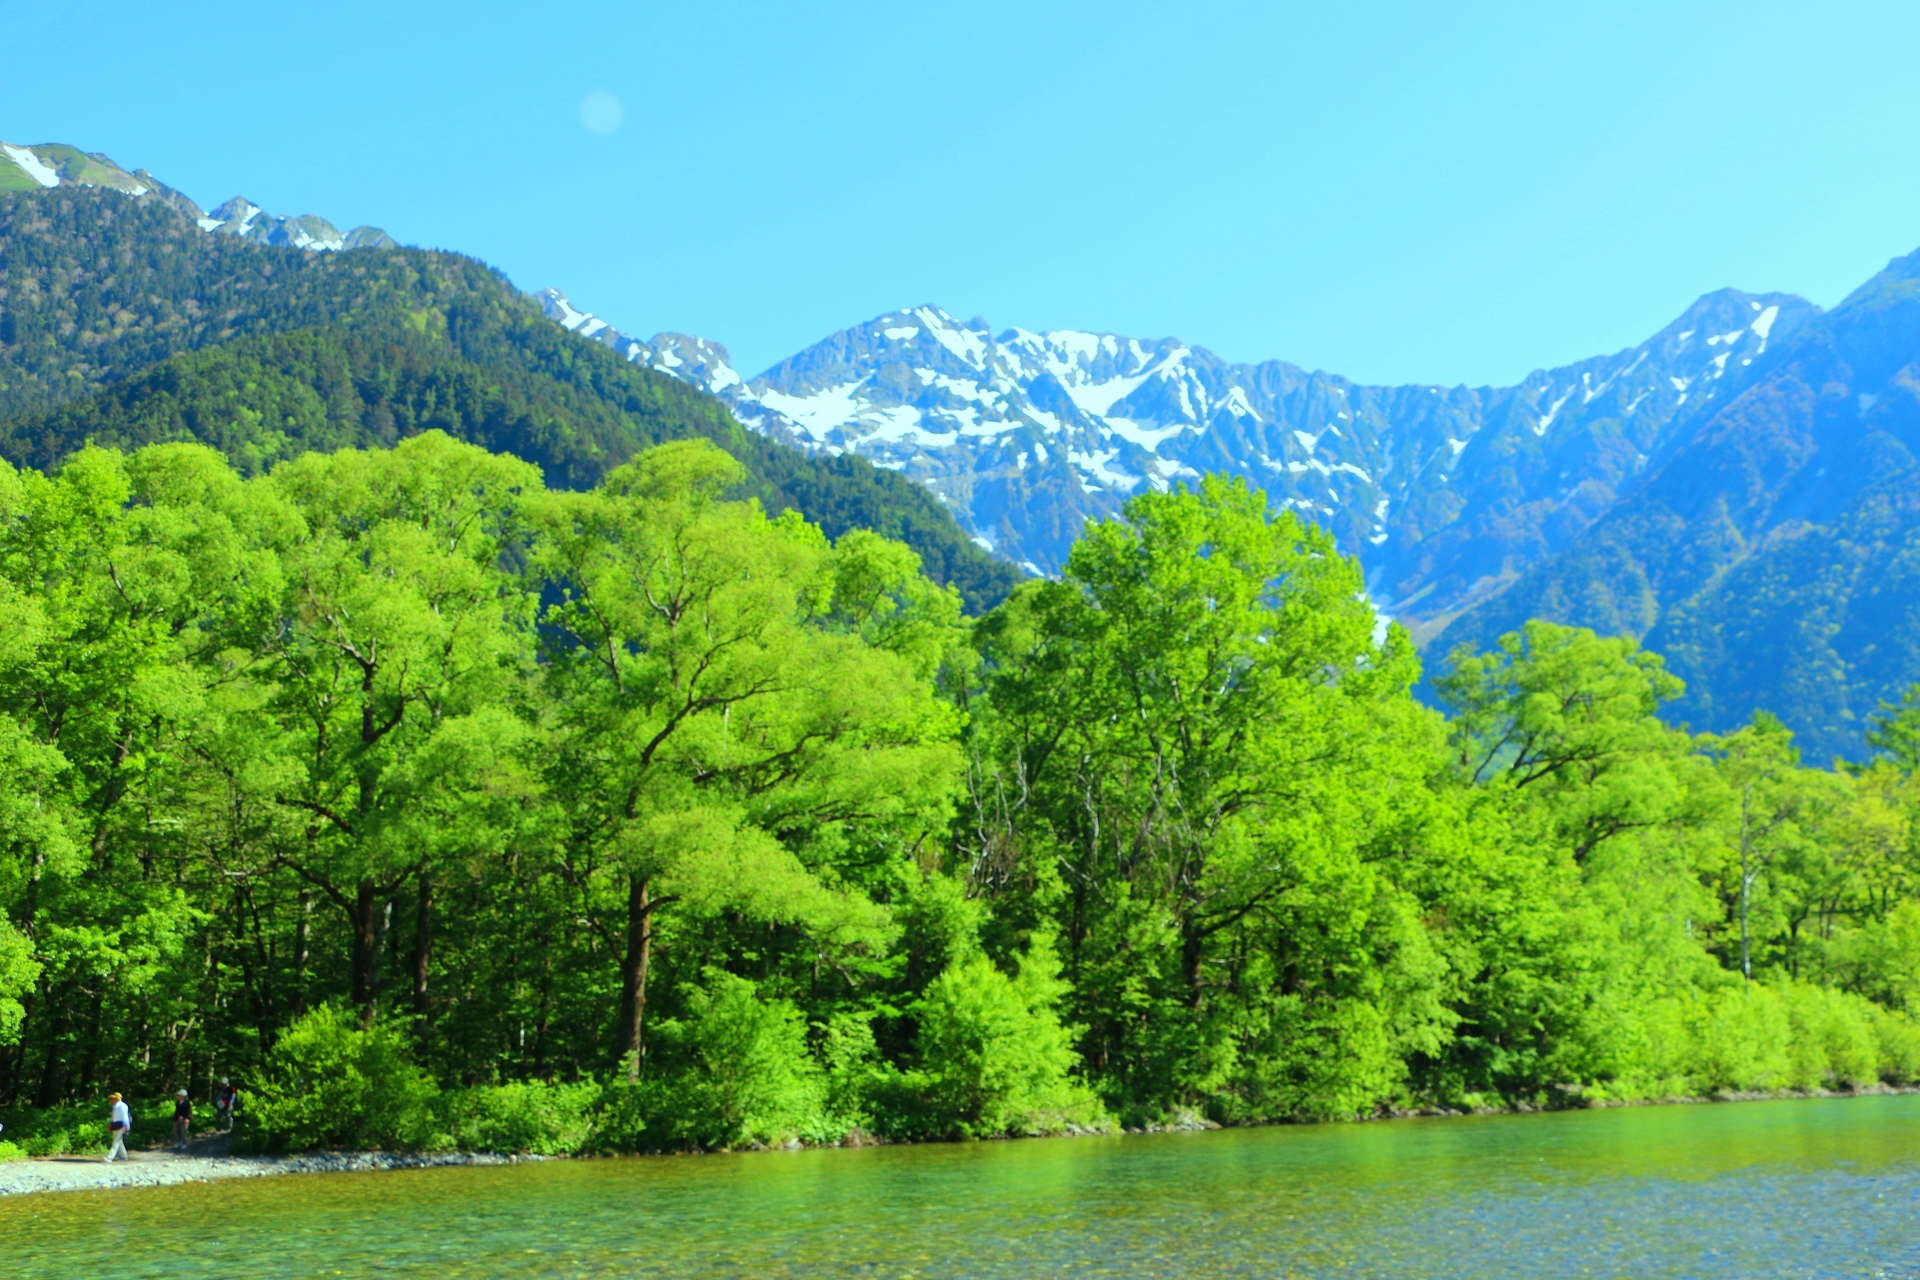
(1445, 493)
(57, 164)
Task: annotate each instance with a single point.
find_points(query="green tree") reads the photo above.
(387, 678)
(1184, 743)
(1566, 720)
(138, 567)
(1896, 730)
(1777, 810)
(993, 1055)
(716, 719)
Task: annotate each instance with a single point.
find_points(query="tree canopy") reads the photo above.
(653, 808)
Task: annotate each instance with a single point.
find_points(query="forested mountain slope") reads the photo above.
(122, 322)
(1774, 555)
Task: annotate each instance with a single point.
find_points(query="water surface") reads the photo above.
(1750, 1190)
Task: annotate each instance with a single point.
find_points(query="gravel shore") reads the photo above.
(163, 1168)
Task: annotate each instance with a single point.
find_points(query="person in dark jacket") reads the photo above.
(182, 1119)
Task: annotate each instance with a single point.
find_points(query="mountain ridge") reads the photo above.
(46, 165)
(1437, 489)
(1774, 554)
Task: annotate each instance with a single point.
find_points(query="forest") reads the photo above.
(438, 807)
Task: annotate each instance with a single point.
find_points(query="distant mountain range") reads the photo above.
(24, 168)
(1447, 494)
(1741, 491)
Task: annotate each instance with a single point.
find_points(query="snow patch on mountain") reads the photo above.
(35, 168)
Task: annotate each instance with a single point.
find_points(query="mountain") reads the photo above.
(1738, 491)
(1774, 555)
(1445, 493)
(124, 321)
(1741, 491)
(57, 164)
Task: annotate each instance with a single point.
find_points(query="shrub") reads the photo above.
(1316, 1059)
(620, 1117)
(331, 1084)
(56, 1131)
(853, 1067)
(1897, 1037)
(1773, 1035)
(522, 1118)
(735, 1071)
(994, 1058)
(1740, 1040)
(1833, 1043)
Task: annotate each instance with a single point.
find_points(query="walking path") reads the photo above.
(205, 1163)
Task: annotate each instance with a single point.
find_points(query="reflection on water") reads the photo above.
(1816, 1188)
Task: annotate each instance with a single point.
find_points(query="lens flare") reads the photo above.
(601, 112)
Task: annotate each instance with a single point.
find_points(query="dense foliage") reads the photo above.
(441, 807)
(122, 324)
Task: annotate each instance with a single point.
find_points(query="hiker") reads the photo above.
(182, 1119)
(224, 1100)
(119, 1121)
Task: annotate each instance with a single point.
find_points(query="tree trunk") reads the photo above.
(90, 1047)
(1746, 879)
(372, 915)
(422, 944)
(50, 1073)
(303, 938)
(1193, 949)
(633, 974)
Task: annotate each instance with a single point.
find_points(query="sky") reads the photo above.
(1394, 192)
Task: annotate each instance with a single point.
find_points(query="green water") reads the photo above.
(1815, 1188)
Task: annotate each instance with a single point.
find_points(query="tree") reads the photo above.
(993, 1055)
(385, 684)
(1191, 724)
(1896, 730)
(715, 716)
(1778, 807)
(1566, 721)
(136, 568)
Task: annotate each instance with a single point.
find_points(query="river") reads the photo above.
(1824, 1187)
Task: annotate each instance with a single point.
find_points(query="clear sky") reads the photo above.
(1396, 192)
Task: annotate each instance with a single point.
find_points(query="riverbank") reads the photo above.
(1574, 1099)
(1818, 1187)
(166, 1168)
(209, 1162)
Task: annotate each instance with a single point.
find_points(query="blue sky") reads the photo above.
(1396, 192)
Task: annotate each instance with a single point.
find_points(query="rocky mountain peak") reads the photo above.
(1446, 493)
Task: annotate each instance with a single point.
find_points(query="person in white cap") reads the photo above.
(119, 1121)
(182, 1119)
